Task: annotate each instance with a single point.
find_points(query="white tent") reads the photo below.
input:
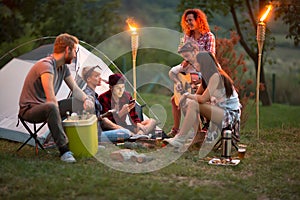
(12, 77)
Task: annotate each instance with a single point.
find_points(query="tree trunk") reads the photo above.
(263, 94)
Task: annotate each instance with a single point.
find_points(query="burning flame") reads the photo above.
(132, 25)
(266, 13)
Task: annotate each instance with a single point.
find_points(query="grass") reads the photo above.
(270, 169)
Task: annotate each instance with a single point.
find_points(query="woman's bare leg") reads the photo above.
(212, 112)
(193, 109)
(191, 117)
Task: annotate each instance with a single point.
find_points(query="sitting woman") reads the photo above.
(120, 100)
(114, 132)
(223, 108)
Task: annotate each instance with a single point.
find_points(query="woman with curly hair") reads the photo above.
(195, 27)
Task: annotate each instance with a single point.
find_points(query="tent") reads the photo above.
(12, 77)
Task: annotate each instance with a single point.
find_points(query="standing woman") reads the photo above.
(224, 107)
(196, 29)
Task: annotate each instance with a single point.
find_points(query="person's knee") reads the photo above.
(192, 105)
(51, 107)
(152, 122)
(126, 133)
(149, 121)
(105, 120)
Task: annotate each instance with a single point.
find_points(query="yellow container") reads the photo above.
(82, 135)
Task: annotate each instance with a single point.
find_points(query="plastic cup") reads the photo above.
(241, 153)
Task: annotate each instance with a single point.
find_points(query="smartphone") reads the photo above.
(132, 101)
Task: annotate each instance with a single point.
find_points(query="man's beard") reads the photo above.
(68, 60)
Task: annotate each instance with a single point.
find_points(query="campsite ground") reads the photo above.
(269, 171)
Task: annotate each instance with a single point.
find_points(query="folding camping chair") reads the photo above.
(33, 134)
(139, 110)
(235, 138)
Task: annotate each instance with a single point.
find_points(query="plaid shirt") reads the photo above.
(108, 103)
(98, 107)
(206, 42)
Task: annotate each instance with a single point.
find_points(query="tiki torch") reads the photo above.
(134, 48)
(260, 37)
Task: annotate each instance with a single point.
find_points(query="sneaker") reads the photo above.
(173, 132)
(176, 142)
(68, 157)
(164, 135)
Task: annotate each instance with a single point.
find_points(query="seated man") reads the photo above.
(38, 102)
(182, 75)
(114, 132)
(120, 100)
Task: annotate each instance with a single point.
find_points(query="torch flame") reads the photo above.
(266, 13)
(131, 24)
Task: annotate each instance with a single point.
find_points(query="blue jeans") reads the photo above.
(114, 135)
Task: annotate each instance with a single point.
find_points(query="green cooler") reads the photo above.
(82, 135)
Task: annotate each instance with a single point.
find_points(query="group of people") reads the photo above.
(215, 98)
(38, 101)
(115, 109)
(196, 31)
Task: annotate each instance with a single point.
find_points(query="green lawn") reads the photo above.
(270, 169)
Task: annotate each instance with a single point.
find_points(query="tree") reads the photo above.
(244, 17)
(11, 21)
(89, 20)
(289, 12)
